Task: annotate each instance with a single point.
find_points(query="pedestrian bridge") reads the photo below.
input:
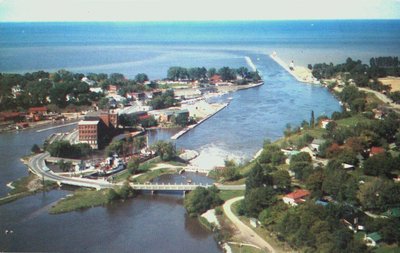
(168, 187)
(183, 187)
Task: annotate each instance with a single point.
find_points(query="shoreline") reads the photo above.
(300, 73)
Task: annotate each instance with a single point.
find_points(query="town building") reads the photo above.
(37, 113)
(325, 122)
(316, 144)
(166, 115)
(296, 197)
(376, 151)
(97, 128)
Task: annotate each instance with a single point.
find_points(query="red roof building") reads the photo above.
(296, 197)
(35, 110)
(376, 150)
(215, 79)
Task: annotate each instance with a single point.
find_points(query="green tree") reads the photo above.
(133, 166)
(258, 199)
(258, 177)
(301, 169)
(380, 164)
(201, 199)
(301, 157)
(226, 74)
(166, 150)
(141, 78)
(281, 179)
(312, 120)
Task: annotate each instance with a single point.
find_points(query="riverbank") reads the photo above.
(300, 73)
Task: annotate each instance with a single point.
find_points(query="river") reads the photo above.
(156, 223)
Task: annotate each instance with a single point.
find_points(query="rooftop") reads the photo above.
(375, 236)
(298, 194)
(88, 122)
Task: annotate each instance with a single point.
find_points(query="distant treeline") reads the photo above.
(201, 73)
(379, 67)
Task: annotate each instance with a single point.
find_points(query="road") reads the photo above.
(245, 233)
(382, 97)
(38, 166)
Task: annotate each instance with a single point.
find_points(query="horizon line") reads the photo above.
(196, 21)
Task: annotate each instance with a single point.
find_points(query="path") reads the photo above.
(245, 233)
(382, 97)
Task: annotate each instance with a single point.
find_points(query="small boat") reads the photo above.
(189, 181)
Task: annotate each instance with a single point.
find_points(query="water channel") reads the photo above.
(155, 223)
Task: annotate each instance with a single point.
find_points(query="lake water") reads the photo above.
(158, 223)
(131, 48)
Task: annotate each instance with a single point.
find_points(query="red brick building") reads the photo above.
(97, 128)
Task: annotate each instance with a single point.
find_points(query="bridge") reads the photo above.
(38, 166)
(183, 187)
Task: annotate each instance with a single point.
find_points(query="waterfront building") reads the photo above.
(97, 128)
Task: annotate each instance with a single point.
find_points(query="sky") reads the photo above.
(195, 10)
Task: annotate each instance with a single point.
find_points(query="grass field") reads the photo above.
(81, 199)
(353, 121)
(153, 174)
(225, 195)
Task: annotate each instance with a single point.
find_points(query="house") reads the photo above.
(215, 79)
(376, 150)
(372, 239)
(88, 81)
(316, 144)
(325, 122)
(113, 88)
(37, 113)
(136, 96)
(96, 89)
(378, 114)
(296, 197)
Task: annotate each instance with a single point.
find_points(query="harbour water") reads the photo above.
(154, 223)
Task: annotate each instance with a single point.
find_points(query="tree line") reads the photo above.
(201, 74)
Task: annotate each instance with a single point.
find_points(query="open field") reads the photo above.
(394, 82)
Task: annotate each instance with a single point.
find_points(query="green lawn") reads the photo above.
(352, 121)
(81, 199)
(225, 195)
(244, 249)
(153, 174)
(384, 248)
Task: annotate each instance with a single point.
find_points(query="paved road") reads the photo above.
(245, 233)
(38, 166)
